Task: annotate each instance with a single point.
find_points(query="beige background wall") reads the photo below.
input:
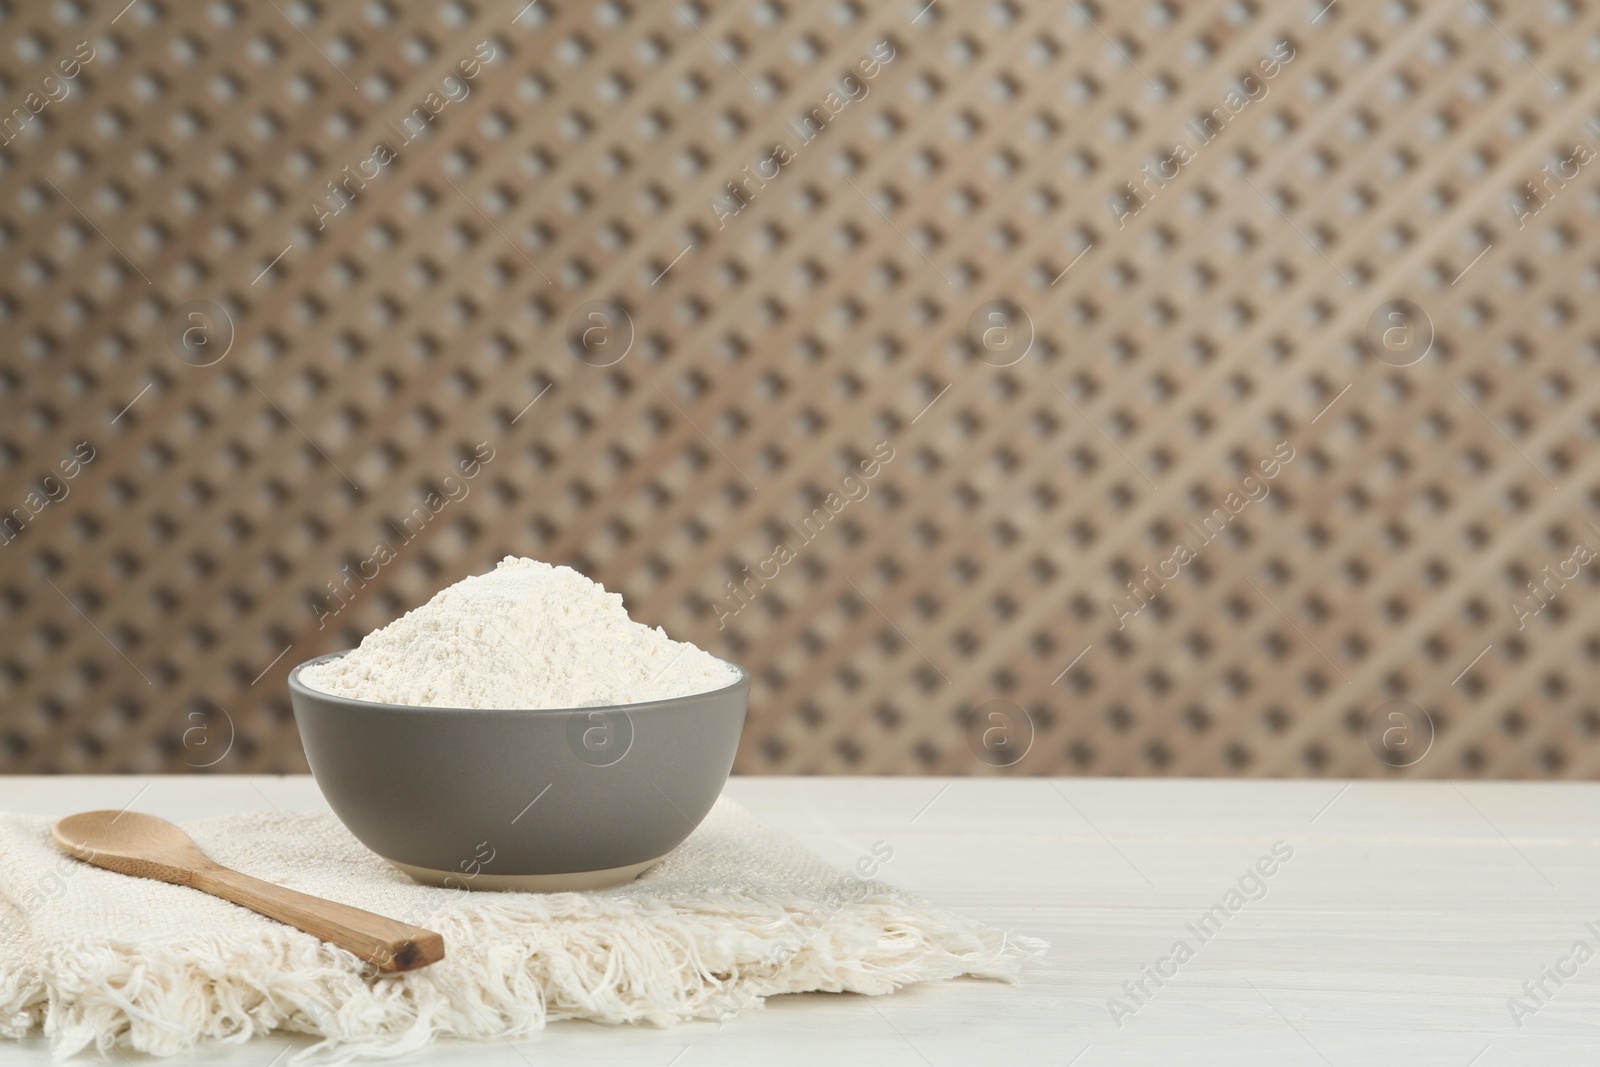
(283, 267)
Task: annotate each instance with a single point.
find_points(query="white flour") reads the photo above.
(525, 635)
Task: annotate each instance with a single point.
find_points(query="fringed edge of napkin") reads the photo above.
(692, 959)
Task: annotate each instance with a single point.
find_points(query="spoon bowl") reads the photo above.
(131, 842)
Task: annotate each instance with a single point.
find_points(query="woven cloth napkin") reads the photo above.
(737, 913)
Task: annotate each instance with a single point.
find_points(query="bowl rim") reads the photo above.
(298, 687)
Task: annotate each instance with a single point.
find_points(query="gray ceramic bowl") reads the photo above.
(544, 799)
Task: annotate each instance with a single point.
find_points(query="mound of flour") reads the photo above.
(525, 635)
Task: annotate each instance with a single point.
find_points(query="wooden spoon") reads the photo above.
(149, 847)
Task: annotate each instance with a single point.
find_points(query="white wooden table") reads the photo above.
(1403, 923)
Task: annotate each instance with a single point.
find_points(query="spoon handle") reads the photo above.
(388, 944)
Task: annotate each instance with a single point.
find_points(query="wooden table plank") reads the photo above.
(1406, 917)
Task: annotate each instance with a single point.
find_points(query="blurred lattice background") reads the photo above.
(662, 275)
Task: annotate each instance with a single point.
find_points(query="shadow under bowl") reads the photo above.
(539, 799)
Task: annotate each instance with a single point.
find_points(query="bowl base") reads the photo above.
(571, 882)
